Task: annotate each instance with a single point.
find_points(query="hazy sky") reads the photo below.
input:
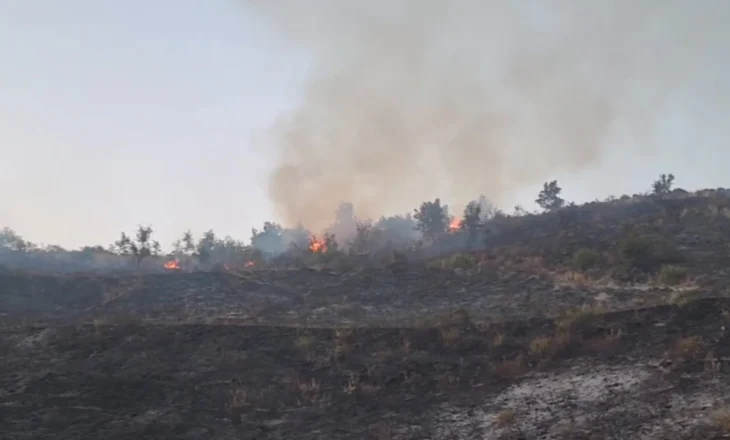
(116, 113)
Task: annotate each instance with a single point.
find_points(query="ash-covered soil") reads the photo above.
(515, 341)
(656, 373)
(408, 295)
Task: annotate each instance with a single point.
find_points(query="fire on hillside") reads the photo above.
(455, 224)
(235, 266)
(316, 245)
(173, 265)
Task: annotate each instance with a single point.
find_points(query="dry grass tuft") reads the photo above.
(720, 420)
(355, 386)
(447, 381)
(304, 344)
(450, 335)
(610, 340)
(498, 340)
(579, 318)
(384, 432)
(681, 298)
(239, 398)
(685, 349)
(505, 418)
(572, 279)
(406, 346)
(511, 368)
(540, 345)
(343, 342)
(673, 275)
(309, 391)
(545, 347)
(99, 324)
(238, 404)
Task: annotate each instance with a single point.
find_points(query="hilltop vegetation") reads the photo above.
(429, 231)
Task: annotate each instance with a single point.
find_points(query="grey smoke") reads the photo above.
(414, 99)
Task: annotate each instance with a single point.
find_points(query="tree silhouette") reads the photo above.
(206, 247)
(398, 229)
(549, 198)
(471, 221)
(141, 247)
(269, 240)
(184, 246)
(12, 240)
(432, 219)
(663, 185)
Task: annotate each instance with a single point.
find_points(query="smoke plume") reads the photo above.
(408, 100)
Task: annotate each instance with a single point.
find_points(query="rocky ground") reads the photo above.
(514, 342)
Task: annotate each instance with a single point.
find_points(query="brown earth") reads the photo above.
(512, 342)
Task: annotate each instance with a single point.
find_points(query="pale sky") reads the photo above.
(114, 114)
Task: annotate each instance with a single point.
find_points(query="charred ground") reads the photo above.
(600, 321)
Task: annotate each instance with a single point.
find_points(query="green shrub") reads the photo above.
(646, 254)
(665, 252)
(586, 259)
(673, 275)
(459, 261)
(636, 251)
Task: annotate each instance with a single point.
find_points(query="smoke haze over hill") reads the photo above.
(416, 99)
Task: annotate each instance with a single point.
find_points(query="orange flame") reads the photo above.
(173, 265)
(250, 264)
(316, 245)
(455, 224)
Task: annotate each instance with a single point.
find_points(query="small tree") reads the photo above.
(12, 240)
(297, 237)
(663, 185)
(549, 198)
(366, 237)
(432, 219)
(345, 213)
(398, 229)
(206, 247)
(331, 245)
(486, 209)
(471, 220)
(141, 247)
(472, 216)
(519, 211)
(184, 246)
(270, 240)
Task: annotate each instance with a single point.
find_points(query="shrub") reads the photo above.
(459, 261)
(586, 259)
(398, 257)
(673, 275)
(666, 252)
(636, 251)
(646, 254)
